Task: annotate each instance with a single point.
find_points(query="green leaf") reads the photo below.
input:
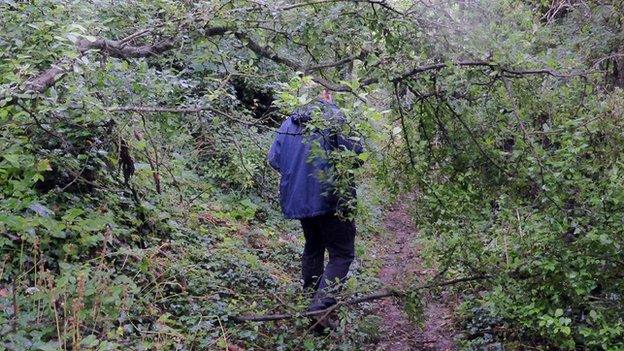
(593, 314)
(50, 346)
(566, 330)
(90, 341)
(364, 156)
(72, 214)
(12, 159)
(43, 165)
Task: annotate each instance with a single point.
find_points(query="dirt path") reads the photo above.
(399, 252)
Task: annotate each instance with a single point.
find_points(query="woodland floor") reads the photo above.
(399, 252)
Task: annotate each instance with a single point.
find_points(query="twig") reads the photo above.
(405, 133)
(474, 138)
(528, 139)
(50, 132)
(138, 34)
(160, 109)
(318, 321)
(16, 310)
(487, 64)
(224, 336)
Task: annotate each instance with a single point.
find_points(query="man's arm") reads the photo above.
(274, 153)
(350, 143)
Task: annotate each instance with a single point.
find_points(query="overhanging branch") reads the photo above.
(487, 64)
(267, 52)
(119, 49)
(167, 109)
(114, 48)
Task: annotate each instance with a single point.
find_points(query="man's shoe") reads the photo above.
(323, 324)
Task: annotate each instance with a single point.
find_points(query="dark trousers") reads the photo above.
(337, 236)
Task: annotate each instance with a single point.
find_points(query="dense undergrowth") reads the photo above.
(137, 210)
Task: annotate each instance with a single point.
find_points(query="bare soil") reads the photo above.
(399, 252)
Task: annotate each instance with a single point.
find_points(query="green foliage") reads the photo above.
(518, 180)
(141, 229)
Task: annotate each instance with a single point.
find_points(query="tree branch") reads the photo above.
(492, 65)
(166, 109)
(405, 133)
(354, 301)
(113, 48)
(159, 109)
(474, 138)
(119, 49)
(66, 145)
(266, 52)
(46, 79)
(344, 61)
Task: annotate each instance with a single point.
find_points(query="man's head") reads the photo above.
(326, 95)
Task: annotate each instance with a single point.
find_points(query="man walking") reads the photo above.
(301, 154)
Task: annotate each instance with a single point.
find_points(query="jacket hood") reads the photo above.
(301, 115)
(304, 114)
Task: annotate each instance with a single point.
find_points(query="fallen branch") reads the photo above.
(354, 301)
(119, 49)
(274, 317)
(113, 48)
(47, 79)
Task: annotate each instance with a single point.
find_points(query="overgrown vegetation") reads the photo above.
(137, 210)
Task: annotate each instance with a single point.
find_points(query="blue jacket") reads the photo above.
(304, 191)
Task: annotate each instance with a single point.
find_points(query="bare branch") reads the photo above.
(375, 296)
(119, 50)
(266, 52)
(46, 79)
(491, 65)
(382, 3)
(474, 138)
(344, 61)
(64, 142)
(161, 109)
(165, 109)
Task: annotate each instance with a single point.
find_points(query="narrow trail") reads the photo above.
(401, 262)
